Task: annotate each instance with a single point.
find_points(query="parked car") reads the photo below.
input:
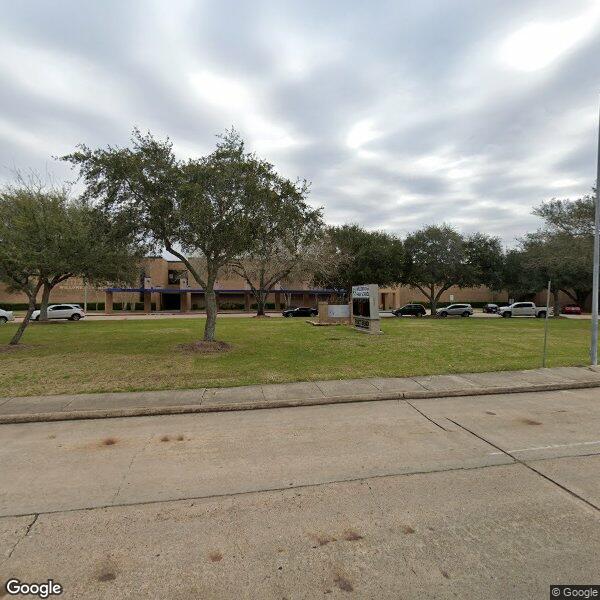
(523, 309)
(463, 310)
(73, 312)
(571, 309)
(5, 316)
(490, 308)
(301, 311)
(414, 310)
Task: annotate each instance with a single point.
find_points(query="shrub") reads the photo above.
(268, 306)
(231, 306)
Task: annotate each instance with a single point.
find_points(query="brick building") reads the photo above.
(166, 290)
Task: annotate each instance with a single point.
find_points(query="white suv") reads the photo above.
(72, 312)
(464, 310)
(5, 316)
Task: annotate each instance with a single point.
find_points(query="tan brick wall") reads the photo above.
(157, 268)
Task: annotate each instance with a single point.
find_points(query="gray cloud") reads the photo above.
(401, 114)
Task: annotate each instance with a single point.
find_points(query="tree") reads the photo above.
(563, 259)
(562, 248)
(29, 214)
(357, 256)
(88, 243)
(438, 257)
(519, 278)
(485, 259)
(571, 217)
(202, 207)
(286, 237)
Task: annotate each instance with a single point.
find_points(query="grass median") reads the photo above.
(102, 356)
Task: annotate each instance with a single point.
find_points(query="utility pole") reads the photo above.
(596, 272)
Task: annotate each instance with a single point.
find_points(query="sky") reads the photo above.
(401, 113)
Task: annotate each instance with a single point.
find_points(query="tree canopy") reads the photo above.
(358, 256)
(437, 257)
(46, 237)
(561, 250)
(286, 236)
(31, 220)
(208, 209)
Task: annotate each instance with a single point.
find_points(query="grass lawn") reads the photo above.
(93, 356)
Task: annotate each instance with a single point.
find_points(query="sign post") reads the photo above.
(365, 308)
(596, 265)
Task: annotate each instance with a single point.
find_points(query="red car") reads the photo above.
(571, 309)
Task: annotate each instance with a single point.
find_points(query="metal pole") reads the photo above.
(85, 295)
(596, 272)
(546, 325)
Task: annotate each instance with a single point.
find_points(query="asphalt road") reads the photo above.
(486, 497)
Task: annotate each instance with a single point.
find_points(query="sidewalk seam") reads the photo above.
(527, 465)
(424, 415)
(260, 491)
(417, 382)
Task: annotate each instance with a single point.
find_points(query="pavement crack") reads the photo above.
(528, 466)
(135, 455)
(27, 530)
(424, 415)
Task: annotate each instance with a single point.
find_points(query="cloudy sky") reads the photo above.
(401, 113)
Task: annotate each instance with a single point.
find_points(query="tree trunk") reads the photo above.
(261, 300)
(45, 301)
(582, 298)
(260, 305)
(432, 300)
(555, 297)
(211, 313)
(19, 333)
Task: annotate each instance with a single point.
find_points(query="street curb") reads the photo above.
(263, 404)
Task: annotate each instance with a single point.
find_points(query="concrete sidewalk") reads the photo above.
(125, 404)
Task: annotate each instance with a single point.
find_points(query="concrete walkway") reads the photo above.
(125, 404)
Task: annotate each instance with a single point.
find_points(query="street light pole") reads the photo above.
(596, 272)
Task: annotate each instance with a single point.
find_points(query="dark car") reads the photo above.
(490, 308)
(301, 311)
(571, 309)
(412, 310)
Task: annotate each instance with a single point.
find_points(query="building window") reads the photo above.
(175, 276)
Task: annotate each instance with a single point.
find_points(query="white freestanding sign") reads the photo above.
(338, 311)
(365, 308)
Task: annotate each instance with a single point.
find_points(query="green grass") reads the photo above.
(93, 356)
